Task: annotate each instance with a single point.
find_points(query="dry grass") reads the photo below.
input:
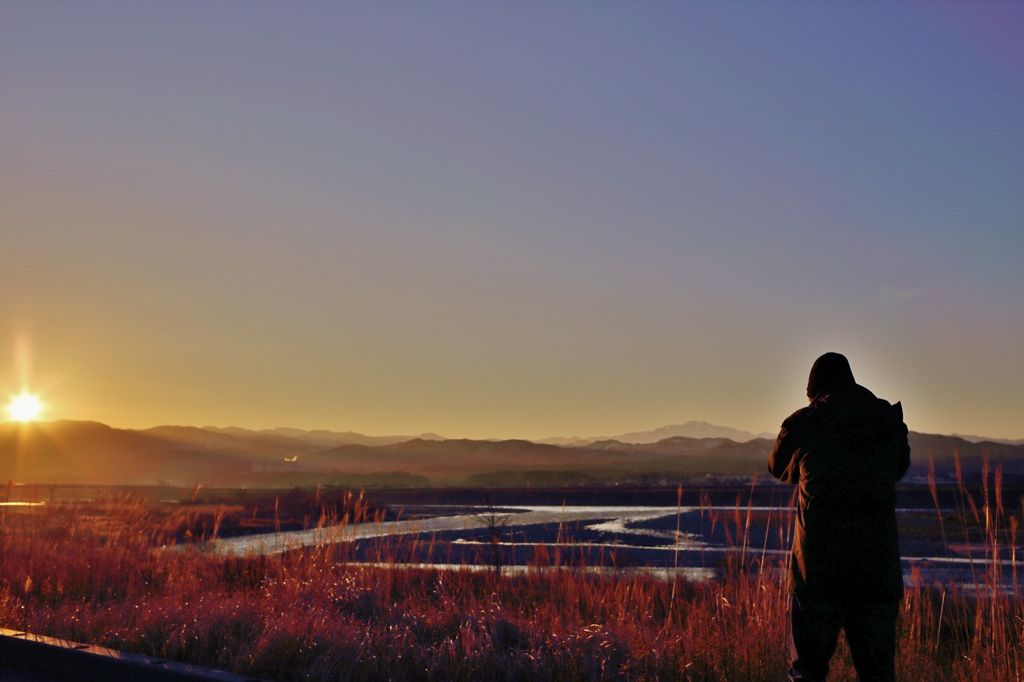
(89, 572)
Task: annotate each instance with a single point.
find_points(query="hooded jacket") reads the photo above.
(846, 451)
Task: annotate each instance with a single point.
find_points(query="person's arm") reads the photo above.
(902, 444)
(784, 463)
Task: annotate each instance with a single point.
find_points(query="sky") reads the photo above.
(497, 220)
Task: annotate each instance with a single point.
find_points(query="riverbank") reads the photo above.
(93, 576)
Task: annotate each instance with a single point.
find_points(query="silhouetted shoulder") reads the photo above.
(797, 417)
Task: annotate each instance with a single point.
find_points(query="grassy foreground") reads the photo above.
(90, 573)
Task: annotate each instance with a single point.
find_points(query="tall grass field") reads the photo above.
(100, 572)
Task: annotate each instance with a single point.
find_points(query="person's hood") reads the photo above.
(829, 371)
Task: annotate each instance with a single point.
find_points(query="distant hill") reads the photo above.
(319, 437)
(455, 460)
(984, 439)
(89, 452)
(944, 448)
(231, 440)
(691, 429)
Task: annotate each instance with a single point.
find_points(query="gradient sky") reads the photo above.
(510, 219)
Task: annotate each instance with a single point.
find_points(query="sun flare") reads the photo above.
(25, 408)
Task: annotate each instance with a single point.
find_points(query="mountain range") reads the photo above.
(92, 453)
(691, 429)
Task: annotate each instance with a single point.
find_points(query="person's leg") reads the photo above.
(871, 634)
(814, 631)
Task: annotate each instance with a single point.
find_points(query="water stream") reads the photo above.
(705, 536)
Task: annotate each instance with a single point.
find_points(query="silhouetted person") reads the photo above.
(846, 451)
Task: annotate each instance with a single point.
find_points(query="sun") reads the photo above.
(25, 408)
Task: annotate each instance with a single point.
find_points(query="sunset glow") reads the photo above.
(461, 219)
(25, 408)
